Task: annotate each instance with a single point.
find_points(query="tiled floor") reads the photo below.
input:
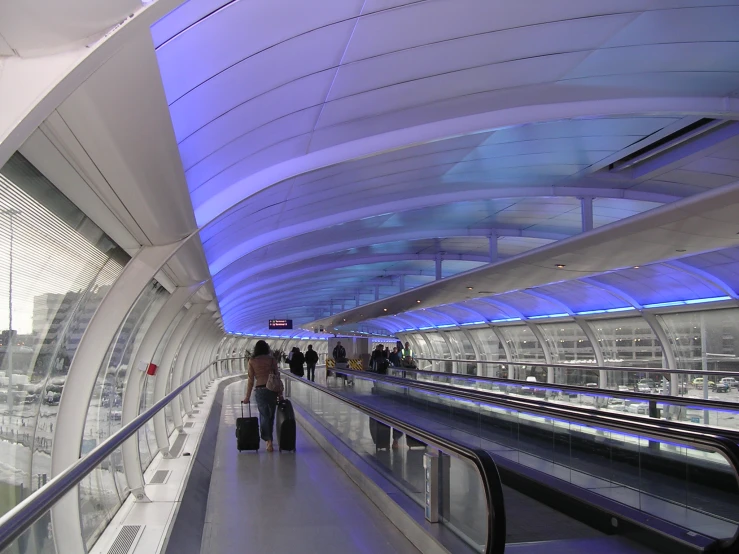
(286, 503)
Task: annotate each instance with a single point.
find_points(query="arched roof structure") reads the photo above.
(326, 161)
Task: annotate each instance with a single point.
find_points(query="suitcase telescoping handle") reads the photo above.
(242, 408)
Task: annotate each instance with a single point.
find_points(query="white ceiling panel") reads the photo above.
(470, 51)
(469, 81)
(248, 144)
(280, 152)
(715, 165)
(660, 58)
(259, 74)
(709, 24)
(449, 20)
(298, 95)
(698, 179)
(238, 31)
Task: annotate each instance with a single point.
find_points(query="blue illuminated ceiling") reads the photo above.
(329, 168)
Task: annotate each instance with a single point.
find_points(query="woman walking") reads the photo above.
(261, 366)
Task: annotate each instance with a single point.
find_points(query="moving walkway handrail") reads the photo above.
(650, 428)
(484, 462)
(699, 372)
(699, 403)
(670, 431)
(25, 514)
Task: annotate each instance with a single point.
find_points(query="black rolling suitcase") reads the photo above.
(247, 431)
(285, 425)
(380, 434)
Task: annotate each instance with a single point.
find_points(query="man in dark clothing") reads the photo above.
(378, 361)
(339, 353)
(311, 359)
(394, 357)
(296, 362)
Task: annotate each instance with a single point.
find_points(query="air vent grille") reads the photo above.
(159, 477)
(176, 448)
(125, 540)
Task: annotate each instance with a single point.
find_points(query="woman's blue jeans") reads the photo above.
(267, 404)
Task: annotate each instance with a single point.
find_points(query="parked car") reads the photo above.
(643, 388)
(591, 385)
(722, 387)
(731, 381)
(638, 408)
(698, 383)
(623, 388)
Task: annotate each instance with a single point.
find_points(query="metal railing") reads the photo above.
(484, 462)
(21, 517)
(663, 431)
(577, 389)
(563, 365)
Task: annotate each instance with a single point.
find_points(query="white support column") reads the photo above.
(377, 292)
(597, 350)
(668, 354)
(184, 361)
(438, 260)
(401, 283)
(493, 248)
(165, 369)
(586, 211)
(545, 348)
(136, 377)
(507, 350)
(206, 357)
(445, 338)
(477, 352)
(83, 372)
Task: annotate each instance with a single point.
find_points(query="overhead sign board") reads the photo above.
(280, 323)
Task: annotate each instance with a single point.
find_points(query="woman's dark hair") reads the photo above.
(261, 348)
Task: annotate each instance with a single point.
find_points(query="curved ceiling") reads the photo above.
(329, 168)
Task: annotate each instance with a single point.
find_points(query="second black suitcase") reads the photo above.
(247, 431)
(286, 426)
(380, 434)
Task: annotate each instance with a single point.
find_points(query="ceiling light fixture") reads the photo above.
(560, 266)
(384, 309)
(469, 288)
(681, 250)
(418, 301)
(636, 267)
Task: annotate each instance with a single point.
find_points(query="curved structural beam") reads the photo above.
(132, 392)
(703, 275)
(725, 108)
(379, 236)
(165, 369)
(548, 298)
(81, 380)
(418, 202)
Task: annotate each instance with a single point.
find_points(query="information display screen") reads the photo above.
(280, 323)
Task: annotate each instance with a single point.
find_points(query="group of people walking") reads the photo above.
(400, 356)
(296, 359)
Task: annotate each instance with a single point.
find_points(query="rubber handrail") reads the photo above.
(484, 462)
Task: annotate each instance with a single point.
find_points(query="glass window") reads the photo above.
(628, 341)
(56, 266)
(102, 492)
(706, 339)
